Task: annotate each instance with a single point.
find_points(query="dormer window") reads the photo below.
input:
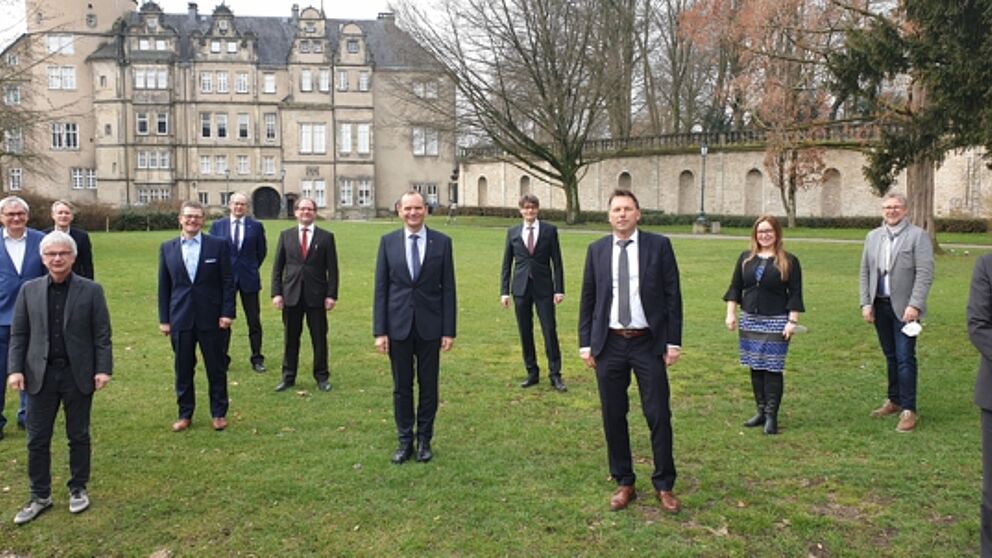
(318, 46)
(353, 46)
(310, 27)
(304, 46)
(151, 22)
(232, 47)
(215, 46)
(159, 44)
(222, 25)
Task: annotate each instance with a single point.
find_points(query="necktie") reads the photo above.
(305, 243)
(189, 258)
(414, 257)
(623, 284)
(237, 235)
(530, 239)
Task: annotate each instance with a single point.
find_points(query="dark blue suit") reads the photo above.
(661, 299)
(10, 285)
(414, 315)
(193, 310)
(245, 263)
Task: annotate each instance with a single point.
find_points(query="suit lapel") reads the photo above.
(74, 291)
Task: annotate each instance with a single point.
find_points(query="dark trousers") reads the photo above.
(524, 307)
(613, 367)
(211, 347)
(249, 303)
(403, 356)
(900, 355)
(59, 387)
(292, 319)
(986, 532)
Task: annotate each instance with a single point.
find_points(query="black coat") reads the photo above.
(771, 296)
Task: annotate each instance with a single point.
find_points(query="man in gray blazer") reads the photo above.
(896, 274)
(980, 333)
(60, 353)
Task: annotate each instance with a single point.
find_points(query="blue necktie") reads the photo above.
(414, 257)
(237, 234)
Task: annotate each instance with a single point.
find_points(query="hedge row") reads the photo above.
(155, 217)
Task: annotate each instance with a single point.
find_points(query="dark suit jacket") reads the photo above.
(544, 267)
(980, 327)
(86, 328)
(660, 293)
(10, 280)
(399, 299)
(245, 262)
(311, 280)
(201, 303)
(771, 296)
(84, 251)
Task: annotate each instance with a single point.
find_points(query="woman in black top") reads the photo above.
(767, 285)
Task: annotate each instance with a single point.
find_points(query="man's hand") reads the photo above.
(15, 381)
(672, 356)
(100, 381)
(559, 298)
(911, 314)
(586, 356)
(504, 301)
(447, 343)
(382, 343)
(277, 302)
(165, 329)
(868, 313)
(224, 322)
(329, 304)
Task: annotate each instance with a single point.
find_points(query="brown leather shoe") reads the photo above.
(887, 409)
(907, 421)
(181, 424)
(669, 502)
(623, 496)
(220, 423)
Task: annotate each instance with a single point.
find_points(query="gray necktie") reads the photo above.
(623, 284)
(414, 257)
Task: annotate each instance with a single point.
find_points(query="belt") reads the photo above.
(58, 363)
(630, 333)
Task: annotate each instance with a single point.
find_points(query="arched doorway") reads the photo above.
(688, 194)
(753, 204)
(524, 185)
(624, 181)
(483, 189)
(265, 203)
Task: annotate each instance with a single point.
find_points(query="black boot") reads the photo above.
(774, 383)
(758, 386)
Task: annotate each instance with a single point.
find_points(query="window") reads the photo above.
(306, 81)
(203, 198)
(141, 123)
(313, 138)
(65, 135)
(306, 188)
(304, 46)
(425, 89)
(241, 82)
(164, 160)
(310, 27)
(424, 141)
(270, 125)
(222, 82)
(162, 123)
(12, 95)
(232, 47)
(268, 83)
(363, 81)
(142, 159)
(152, 194)
(318, 46)
(152, 160)
(344, 138)
(215, 46)
(220, 163)
(204, 124)
(364, 145)
(225, 198)
(14, 178)
(268, 165)
(108, 130)
(61, 44)
(12, 59)
(325, 80)
(61, 77)
(78, 178)
(342, 80)
(345, 192)
(144, 44)
(221, 119)
(151, 78)
(206, 82)
(243, 164)
(160, 44)
(365, 192)
(103, 81)
(139, 78)
(152, 22)
(352, 46)
(13, 140)
(315, 189)
(205, 164)
(91, 179)
(222, 24)
(429, 191)
(243, 126)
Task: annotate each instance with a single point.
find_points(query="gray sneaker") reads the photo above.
(32, 509)
(78, 500)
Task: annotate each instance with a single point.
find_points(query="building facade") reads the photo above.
(141, 107)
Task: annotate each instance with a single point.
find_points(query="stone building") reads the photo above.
(142, 106)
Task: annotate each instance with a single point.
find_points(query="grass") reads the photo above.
(518, 472)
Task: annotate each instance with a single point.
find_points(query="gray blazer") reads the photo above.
(911, 273)
(980, 327)
(86, 328)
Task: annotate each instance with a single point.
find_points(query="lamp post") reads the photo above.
(701, 218)
(227, 186)
(282, 193)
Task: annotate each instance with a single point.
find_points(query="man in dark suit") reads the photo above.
(980, 333)
(414, 319)
(62, 216)
(532, 258)
(630, 317)
(248, 249)
(195, 306)
(60, 353)
(20, 261)
(305, 283)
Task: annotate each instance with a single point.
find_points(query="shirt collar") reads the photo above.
(194, 240)
(421, 233)
(66, 282)
(632, 239)
(535, 224)
(6, 235)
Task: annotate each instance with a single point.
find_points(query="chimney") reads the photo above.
(296, 12)
(191, 10)
(388, 17)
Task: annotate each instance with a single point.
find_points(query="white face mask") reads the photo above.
(912, 329)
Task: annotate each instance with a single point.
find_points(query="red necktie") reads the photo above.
(304, 245)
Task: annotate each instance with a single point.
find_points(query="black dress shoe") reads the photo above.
(424, 453)
(530, 381)
(258, 367)
(284, 385)
(558, 384)
(402, 454)
(324, 385)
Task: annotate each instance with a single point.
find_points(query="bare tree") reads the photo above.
(529, 76)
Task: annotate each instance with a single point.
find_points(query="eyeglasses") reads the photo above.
(189, 217)
(53, 255)
(18, 214)
(765, 231)
(891, 207)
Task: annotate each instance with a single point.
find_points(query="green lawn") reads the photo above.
(519, 473)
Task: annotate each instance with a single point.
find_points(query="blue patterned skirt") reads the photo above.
(762, 344)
